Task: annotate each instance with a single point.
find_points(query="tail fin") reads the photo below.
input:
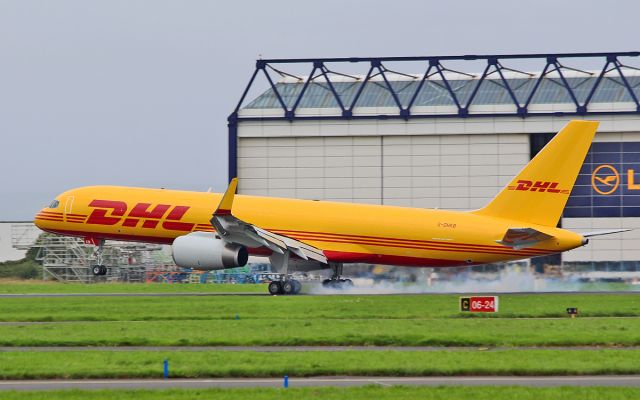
(538, 194)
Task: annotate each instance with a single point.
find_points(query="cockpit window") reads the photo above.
(54, 204)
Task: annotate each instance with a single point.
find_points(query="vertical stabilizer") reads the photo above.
(538, 194)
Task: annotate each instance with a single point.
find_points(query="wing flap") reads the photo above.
(234, 230)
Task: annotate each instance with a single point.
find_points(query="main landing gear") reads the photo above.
(284, 283)
(285, 286)
(99, 269)
(336, 282)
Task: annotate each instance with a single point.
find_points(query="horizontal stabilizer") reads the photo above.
(520, 238)
(604, 232)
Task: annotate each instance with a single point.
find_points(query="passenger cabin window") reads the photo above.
(54, 204)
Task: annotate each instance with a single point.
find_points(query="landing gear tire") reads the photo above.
(297, 286)
(338, 284)
(275, 287)
(288, 287)
(99, 270)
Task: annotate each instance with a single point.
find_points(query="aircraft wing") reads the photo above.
(520, 238)
(234, 230)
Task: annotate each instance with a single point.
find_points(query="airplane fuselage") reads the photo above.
(346, 232)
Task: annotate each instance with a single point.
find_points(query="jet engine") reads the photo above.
(205, 251)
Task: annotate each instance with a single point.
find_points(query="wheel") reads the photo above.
(275, 287)
(337, 284)
(297, 286)
(288, 287)
(327, 283)
(347, 283)
(103, 270)
(97, 270)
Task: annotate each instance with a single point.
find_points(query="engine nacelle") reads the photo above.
(204, 251)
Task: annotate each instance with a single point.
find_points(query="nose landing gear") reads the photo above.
(99, 269)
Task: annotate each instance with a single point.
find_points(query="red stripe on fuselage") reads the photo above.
(59, 217)
(48, 219)
(354, 257)
(341, 235)
(382, 241)
(420, 247)
(260, 251)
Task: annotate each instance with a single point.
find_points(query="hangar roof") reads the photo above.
(492, 90)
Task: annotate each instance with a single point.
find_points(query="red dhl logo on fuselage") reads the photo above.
(111, 212)
(538, 186)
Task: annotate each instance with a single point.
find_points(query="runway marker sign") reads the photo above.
(486, 304)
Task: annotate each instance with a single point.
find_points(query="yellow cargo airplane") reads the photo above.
(211, 231)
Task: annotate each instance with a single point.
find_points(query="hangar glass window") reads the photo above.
(54, 204)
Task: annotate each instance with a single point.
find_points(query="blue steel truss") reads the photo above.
(521, 93)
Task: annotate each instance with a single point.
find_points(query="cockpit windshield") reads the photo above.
(54, 204)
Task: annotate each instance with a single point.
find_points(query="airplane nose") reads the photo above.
(37, 221)
(46, 217)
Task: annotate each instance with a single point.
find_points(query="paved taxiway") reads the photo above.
(533, 381)
(36, 295)
(329, 293)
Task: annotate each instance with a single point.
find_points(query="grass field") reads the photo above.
(322, 331)
(8, 286)
(414, 307)
(524, 320)
(148, 364)
(366, 393)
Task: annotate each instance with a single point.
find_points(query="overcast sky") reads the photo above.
(137, 92)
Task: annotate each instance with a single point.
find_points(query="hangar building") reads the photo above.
(443, 138)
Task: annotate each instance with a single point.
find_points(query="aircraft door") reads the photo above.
(68, 206)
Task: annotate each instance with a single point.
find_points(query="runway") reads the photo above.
(532, 381)
(329, 293)
(183, 294)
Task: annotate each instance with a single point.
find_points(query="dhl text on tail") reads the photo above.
(215, 231)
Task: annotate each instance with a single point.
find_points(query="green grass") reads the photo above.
(404, 332)
(332, 393)
(414, 307)
(187, 364)
(38, 286)
(524, 320)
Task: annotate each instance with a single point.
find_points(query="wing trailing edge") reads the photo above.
(234, 230)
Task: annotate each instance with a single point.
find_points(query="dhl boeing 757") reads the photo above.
(210, 231)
